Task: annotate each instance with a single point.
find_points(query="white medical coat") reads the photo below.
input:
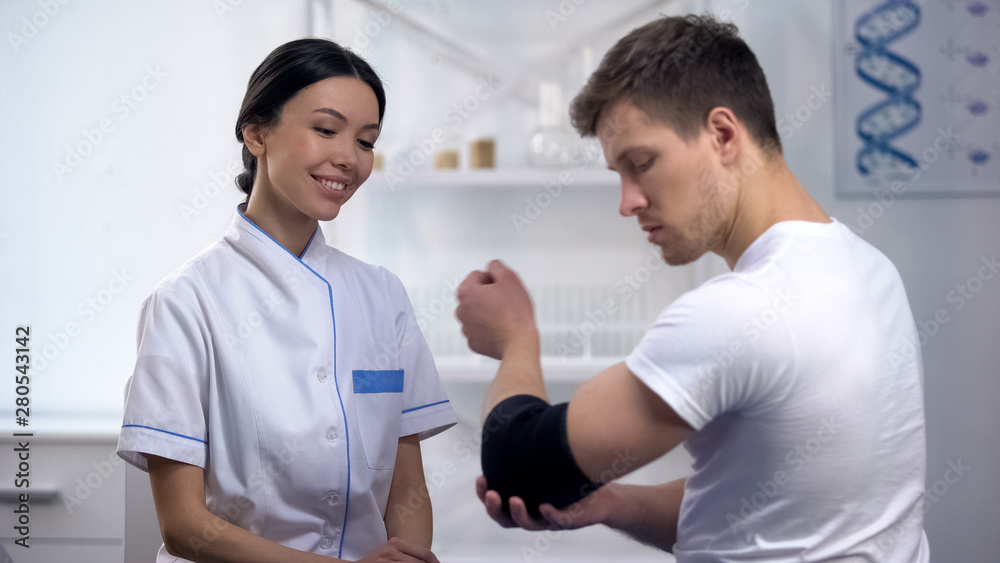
(290, 381)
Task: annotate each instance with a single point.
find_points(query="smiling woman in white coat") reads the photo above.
(282, 387)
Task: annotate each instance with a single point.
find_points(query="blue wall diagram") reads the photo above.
(917, 89)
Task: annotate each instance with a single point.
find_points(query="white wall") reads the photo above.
(81, 246)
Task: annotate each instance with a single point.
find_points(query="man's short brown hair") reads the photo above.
(677, 69)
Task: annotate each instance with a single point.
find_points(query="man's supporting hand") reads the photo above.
(595, 509)
(648, 513)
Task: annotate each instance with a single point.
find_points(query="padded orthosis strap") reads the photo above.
(526, 454)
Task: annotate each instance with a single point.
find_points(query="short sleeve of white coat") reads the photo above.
(426, 409)
(166, 397)
(706, 355)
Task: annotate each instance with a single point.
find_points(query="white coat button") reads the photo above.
(331, 436)
(321, 375)
(326, 542)
(331, 498)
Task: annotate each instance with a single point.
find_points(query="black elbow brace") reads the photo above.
(526, 454)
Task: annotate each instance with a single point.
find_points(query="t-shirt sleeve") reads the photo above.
(703, 355)
(426, 408)
(166, 396)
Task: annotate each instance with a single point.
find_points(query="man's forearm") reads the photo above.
(520, 372)
(648, 513)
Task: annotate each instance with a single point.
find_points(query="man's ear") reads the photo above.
(725, 129)
(253, 138)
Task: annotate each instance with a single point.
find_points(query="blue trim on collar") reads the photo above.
(239, 209)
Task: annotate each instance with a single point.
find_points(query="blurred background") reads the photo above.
(119, 158)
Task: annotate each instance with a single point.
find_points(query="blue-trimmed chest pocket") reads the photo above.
(378, 400)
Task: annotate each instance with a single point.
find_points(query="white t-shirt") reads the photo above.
(800, 372)
(290, 381)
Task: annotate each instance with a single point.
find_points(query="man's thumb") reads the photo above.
(498, 270)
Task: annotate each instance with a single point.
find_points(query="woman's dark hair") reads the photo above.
(677, 69)
(286, 71)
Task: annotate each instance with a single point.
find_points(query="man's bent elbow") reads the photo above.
(526, 454)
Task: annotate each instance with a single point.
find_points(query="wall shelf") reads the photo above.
(494, 178)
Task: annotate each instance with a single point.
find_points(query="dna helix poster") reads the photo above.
(917, 97)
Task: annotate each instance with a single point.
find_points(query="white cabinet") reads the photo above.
(76, 505)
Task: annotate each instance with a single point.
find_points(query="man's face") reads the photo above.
(669, 184)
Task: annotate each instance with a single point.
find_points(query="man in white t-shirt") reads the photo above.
(794, 381)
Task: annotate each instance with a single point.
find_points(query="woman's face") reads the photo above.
(320, 151)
